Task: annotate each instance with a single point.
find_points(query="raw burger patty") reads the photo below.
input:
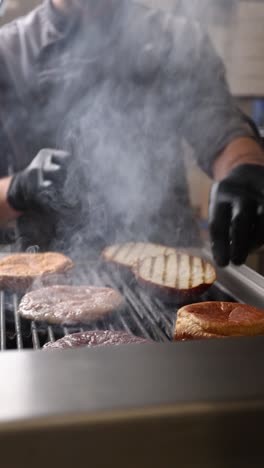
(18, 271)
(95, 338)
(218, 320)
(70, 304)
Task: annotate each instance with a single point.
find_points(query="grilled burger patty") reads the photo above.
(19, 271)
(126, 255)
(218, 320)
(95, 338)
(70, 304)
(175, 274)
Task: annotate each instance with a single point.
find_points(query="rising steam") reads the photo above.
(135, 79)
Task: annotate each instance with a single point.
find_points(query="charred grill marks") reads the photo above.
(203, 270)
(177, 269)
(165, 269)
(190, 272)
(152, 266)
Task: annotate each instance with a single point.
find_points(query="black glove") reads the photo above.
(236, 214)
(40, 185)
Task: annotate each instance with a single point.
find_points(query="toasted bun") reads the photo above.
(19, 271)
(177, 274)
(218, 320)
(126, 255)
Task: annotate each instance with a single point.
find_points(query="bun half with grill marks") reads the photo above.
(175, 274)
(125, 256)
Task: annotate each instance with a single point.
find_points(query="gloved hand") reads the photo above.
(40, 185)
(236, 214)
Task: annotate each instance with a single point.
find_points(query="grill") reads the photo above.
(143, 316)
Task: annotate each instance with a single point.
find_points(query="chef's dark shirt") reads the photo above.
(122, 93)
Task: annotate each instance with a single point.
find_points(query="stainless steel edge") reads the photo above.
(88, 381)
(244, 284)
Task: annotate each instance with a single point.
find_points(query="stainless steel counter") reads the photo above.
(187, 404)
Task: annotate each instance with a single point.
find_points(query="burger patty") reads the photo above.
(19, 271)
(95, 338)
(70, 304)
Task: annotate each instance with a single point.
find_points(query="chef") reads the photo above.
(125, 89)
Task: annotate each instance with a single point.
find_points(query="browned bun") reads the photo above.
(218, 320)
(175, 276)
(19, 271)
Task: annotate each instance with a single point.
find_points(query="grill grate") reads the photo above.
(143, 316)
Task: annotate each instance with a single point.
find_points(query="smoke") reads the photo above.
(205, 11)
(125, 96)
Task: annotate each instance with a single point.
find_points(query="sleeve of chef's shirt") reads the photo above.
(209, 116)
(25, 44)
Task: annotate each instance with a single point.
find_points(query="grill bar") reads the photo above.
(124, 325)
(19, 339)
(51, 334)
(35, 338)
(158, 316)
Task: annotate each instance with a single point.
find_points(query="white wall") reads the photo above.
(242, 47)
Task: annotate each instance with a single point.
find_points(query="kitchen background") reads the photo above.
(237, 30)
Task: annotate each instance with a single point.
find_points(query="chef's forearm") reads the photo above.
(213, 124)
(7, 213)
(243, 150)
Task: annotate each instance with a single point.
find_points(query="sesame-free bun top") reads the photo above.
(19, 271)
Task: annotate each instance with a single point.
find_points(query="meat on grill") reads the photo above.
(218, 320)
(126, 255)
(19, 271)
(70, 304)
(96, 338)
(176, 275)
